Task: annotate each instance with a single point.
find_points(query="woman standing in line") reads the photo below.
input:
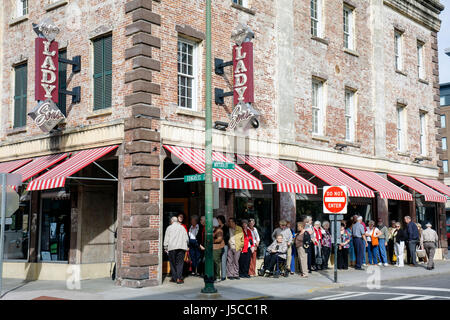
(399, 244)
(302, 243)
(372, 234)
(255, 235)
(343, 249)
(218, 244)
(326, 244)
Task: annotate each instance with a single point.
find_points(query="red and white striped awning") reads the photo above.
(37, 165)
(236, 178)
(56, 177)
(437, 185)
(7, 167)
(387, 189)
(334, 177)
(286, 179)
(427, 192)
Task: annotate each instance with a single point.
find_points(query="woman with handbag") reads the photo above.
(399, 244)
(302, 243)
(372, 235)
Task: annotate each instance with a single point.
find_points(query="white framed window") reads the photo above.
(401, 128)
(443, 121)
(316, 18)
(420, 64)
(241, 2)
(349, 32)
(398, 48)
(317, 107)
(187, 74)
(349, 115)
(444, 143)
(423, 135)
(445, 166)
(21, 8)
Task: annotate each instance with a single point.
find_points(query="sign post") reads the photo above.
(335, 202)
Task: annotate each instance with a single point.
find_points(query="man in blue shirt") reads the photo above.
(413, 237)
(359, 242)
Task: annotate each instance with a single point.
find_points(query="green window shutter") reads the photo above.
(20, 96)
(102, 72)
(62, 82)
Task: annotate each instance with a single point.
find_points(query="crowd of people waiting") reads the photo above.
(303, 251)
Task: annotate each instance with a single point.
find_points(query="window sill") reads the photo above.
(423, 158)
(319, 39)
(55, 5)
(18, 20)
(320, 138)
(242, 8)
(401, 72)
(423, 81)
(99, 113)
(14, 131)
(351, 52)
(404, 154)
(350, 143)
(191, 113)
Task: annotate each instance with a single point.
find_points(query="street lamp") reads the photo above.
(209, 266)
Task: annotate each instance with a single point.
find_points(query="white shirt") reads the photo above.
(255, 234)
(193, 231)
(369, 233)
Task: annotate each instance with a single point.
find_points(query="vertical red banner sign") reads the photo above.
(46, 81)
(243, 73)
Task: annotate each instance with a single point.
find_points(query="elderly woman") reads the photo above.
(277, 253)
(194, 246)
(326, 244)
(372, 235)
(310, 250)
(318, 233)
(400, 238)
(343, 248)
(256, 238)
(247, 250)
(302, 243)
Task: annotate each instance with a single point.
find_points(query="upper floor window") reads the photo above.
(21, 8)
(420, 64)
(316, 18)
(398, 47)
(444, 143)
(20, 95)
(423, 144)
(401, 128)
(187, 74)
(102, 72)
(317, 107)
(443, 121)
(445, 166)
(349, 42)
(241, 2)
(349, 115)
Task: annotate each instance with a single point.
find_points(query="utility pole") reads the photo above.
(209, 265)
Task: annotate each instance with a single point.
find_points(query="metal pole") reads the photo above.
(335, 247)
(2, 233)
(209, 265)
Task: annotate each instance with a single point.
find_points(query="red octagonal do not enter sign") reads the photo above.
(335, 199)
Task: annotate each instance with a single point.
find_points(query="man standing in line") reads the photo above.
(235, 245)
(359, 242)
(176, 243)
(430, 241)
(412, 233)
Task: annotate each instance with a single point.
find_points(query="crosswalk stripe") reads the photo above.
(349, 296)
(424, 298)
(403, 297)
(333, 295)
(422, 288)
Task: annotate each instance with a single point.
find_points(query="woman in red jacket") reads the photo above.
(247, 250)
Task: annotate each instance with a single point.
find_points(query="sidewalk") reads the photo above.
(245, 289)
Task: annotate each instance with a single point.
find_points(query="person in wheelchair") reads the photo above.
(275, 257)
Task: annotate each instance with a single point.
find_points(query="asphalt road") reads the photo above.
(424, 288)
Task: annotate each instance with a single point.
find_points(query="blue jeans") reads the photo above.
(374, 256)
(224, 262)
(351, 251)
(194, 254)
(382, 250)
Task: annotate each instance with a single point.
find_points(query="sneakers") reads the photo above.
(364, 265)
(386, 264)
(380, 264)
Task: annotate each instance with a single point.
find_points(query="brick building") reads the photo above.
(340, 85)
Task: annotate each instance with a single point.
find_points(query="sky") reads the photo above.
(444, 43)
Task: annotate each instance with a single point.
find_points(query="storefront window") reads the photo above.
(55, 230)
(17, 233)
(426, 213)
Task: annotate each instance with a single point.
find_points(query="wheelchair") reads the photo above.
(280, 268)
